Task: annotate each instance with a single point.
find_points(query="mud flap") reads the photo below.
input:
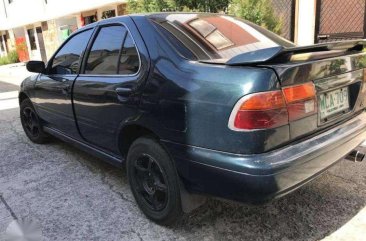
(190, 201)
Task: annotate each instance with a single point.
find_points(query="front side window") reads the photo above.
(105, 52)
(67, 60)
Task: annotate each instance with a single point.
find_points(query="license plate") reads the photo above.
(333, 102)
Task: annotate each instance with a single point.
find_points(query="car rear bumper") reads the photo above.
(261, 177)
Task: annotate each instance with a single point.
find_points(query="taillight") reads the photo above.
(259, 111)
(274, 108)
(300, 100)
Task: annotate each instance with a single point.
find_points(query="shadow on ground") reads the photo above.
(310, 213)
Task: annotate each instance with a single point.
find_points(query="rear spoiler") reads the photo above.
(281, 54)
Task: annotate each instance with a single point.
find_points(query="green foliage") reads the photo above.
(4, 61)
(257, 11)
(11, 58)
(141, 6)
(212, 6)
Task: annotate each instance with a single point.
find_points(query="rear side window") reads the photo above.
(67, 59)
(176, 43)
(104, 54)
(113, 52)
(129, 61)
(215, 36)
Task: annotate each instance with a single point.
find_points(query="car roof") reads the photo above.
(163, 15)
(169, 13)
(157, 16)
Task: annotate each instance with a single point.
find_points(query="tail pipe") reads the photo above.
(355, 156)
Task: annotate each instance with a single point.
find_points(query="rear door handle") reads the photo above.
(123, 91)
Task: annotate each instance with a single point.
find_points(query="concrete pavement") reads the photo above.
(76, 196)
(13, 73)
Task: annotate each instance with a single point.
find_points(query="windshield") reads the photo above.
(213, 36)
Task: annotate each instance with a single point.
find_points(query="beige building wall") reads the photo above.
(50, 37)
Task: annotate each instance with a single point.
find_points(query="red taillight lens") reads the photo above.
(259, 111)
(274, 108)
(250, 120)
(301, 100)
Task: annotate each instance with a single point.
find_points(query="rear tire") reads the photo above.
(31, 123)
(154, 181)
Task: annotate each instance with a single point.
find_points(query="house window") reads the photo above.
(32, 39)
(108, 14)
(2, 43)
(90, 19)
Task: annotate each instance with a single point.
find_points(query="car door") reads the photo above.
(53, 89)
(106, 93)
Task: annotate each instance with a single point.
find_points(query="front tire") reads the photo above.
(154, 181)
(31, 123)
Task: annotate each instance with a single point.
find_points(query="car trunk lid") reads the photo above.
(335, 69)
(338, 77)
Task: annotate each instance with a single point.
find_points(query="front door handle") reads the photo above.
(123, 91)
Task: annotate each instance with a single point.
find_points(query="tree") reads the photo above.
(257, 11)
(142, 6)
(136, 6)
(203, 5)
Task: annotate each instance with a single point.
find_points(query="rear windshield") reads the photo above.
(213, 37)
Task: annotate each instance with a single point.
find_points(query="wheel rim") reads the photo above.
(151, 182)
(30, 121)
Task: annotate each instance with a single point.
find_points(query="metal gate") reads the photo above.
(285, 11)
(339, 20)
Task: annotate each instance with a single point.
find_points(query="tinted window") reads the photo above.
(217, 36)
(129, 61)
(67, 59)
(105, 52)
(176, 43)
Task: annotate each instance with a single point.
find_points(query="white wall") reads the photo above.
(24, 12)
(2, 13)
(21, 12)
(306, 13)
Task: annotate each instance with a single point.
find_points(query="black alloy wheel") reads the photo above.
(31, 123)
(151, 182)
(154, 181)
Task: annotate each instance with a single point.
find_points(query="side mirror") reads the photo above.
(36, 66)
